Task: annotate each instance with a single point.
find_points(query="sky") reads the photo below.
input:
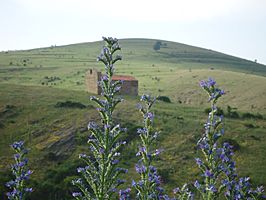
(235, 27)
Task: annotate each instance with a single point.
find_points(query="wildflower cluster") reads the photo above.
(218, 162)
(148, 187)
(101, 173)
(21, 172)
(237, 188)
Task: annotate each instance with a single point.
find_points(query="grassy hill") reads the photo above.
(37, 87)
(174, 70)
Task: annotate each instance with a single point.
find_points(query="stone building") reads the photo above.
(129, 86)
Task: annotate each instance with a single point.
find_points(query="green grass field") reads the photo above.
(33, 82)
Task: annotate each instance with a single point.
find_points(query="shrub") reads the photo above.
(232, 112)
(249, 125)
(2, 125)
(70, 104)
(164, 99)
(252, 116)
(157, 45)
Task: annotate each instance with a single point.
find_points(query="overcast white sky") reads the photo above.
(236, 27)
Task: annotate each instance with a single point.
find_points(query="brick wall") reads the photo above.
(129, 86)
(91, 80)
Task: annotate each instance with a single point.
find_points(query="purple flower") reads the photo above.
(116, 154)
(123, 170)
(107, 126)
(203, 84)
(10, 183)
(140, 169)
(76, 194)
(17, 156)
(139, 106)
(82, 155)
(149, 116)
(80, 169)
(117, 89)
(101, 150)
(144, 97)
(141, 150)
(28, 189)
(199, 161)
(142, 131)
(208, 173)
(17, 145)
(92, 125)
(124, 194)
(157, 152)
(114, 162)
(212, 188)
(152, 169)
(133, 183)
(197, 184)
(104, 78)
(211, 82)
(259, 189)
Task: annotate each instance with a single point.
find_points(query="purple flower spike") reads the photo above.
(211, 82)
(203, 84)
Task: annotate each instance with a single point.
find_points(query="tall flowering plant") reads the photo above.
(218, 167)
(211, 165)
(20, 170)
(100, 176)
(148, 187)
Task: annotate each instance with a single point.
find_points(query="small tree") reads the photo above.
(157, 46)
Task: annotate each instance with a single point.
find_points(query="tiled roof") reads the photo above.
(124, 78)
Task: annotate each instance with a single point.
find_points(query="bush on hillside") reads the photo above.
(70, 104)
(248, 115)
(164, 99)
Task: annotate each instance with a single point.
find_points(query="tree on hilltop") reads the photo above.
(157, 46)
